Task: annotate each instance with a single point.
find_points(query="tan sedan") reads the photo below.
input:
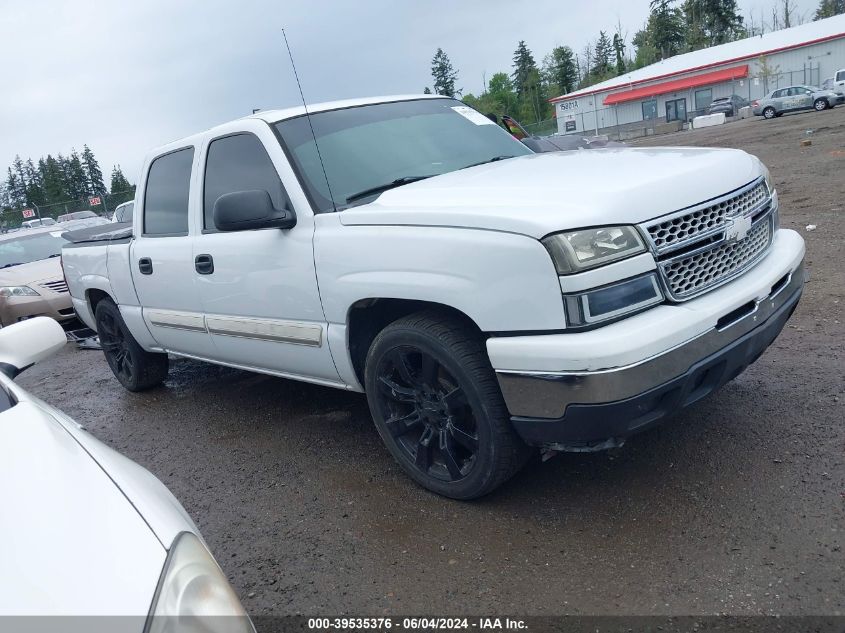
(31, 279)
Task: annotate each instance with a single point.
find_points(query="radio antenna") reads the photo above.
(308, 117)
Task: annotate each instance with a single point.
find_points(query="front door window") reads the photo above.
(676, 110)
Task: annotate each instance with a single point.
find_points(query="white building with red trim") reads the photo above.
(678, 88)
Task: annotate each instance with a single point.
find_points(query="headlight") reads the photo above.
(17, 291)
(194, 595)
(575, 251)
(768, 178)
(612, 301)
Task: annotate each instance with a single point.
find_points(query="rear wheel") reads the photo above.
(438, 408)
(821, 104)
(769, 113)
(135, 368)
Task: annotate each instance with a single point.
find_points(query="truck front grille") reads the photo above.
(697, 249)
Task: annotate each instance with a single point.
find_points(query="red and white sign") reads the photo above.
(94, 201)
(28, 213)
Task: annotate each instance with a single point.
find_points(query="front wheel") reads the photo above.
(135, 368)
(820, 104)
(769, 113)
(438, 408)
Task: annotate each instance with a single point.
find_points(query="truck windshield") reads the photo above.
(377, 147)
(30, 248)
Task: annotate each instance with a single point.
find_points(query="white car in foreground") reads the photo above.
(86, 531)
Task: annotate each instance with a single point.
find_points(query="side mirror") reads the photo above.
(245, 210)
(27, 342)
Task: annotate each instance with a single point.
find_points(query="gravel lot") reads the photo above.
(737, 506)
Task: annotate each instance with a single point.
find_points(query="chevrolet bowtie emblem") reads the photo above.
(737, 229)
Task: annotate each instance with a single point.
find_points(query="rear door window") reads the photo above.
(238, 163)
(166, 195)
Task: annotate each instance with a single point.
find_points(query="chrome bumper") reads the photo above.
(547, 395)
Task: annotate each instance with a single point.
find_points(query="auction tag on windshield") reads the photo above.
(473, 115)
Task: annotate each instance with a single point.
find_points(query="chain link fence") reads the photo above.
(12, 218)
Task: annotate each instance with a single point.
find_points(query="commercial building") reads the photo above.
(679, 88)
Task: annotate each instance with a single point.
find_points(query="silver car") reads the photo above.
(795, 98)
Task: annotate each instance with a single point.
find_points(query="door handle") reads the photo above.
(204, 264)
(145, 265)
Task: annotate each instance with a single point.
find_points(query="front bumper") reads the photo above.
(55, 306)
(614, 400)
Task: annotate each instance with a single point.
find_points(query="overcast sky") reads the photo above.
(125, 76)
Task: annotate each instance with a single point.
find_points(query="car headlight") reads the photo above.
(194, 595)
(575, 251)
(17, 291)
(612, 301)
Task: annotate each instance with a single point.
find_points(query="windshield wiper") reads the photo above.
(56, 255)
(389, 185)
(10, 265)
(489, 160)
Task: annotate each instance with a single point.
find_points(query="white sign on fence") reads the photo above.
(28, 213)
(94, 201)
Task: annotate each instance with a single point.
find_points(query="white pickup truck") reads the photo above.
(486, 299)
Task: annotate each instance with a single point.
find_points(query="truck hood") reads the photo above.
(543, 193)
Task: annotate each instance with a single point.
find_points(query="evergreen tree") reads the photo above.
(427, 91)
(619, 52)
(34, 186)
(523, 64)
(119, 183)
(92, 172)
(665, 28)
(15, 189)
(711, 22)
(443, 73)
(75, 177)
(54, 181)
(601, 56)
(560, 70)
(829, 8)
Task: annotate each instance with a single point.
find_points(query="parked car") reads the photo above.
(486, 298)
(795, 98)
(31, 224)
(555, 142)
(729, 105)
(123, 212)
(92, 532)
(77, 215)
(72, 225)
(839, 82)
(31, 280)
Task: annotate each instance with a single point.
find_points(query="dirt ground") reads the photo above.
(737, 506)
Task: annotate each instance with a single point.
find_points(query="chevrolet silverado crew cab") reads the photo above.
(485, 298)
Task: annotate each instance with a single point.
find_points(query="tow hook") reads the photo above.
(550, 450)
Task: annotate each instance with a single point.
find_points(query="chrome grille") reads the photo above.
(700, 221)
(57, 285)
(687, 276)
(702, 247)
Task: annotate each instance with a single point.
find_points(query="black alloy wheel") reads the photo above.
(116, 348)
(135, 368)
(437, 405)
(427, 413)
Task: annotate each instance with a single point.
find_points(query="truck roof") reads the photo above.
(274, 116)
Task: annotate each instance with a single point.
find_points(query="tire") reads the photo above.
(135, 368)
(437, 406)
(769, 113)
(820, 104)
